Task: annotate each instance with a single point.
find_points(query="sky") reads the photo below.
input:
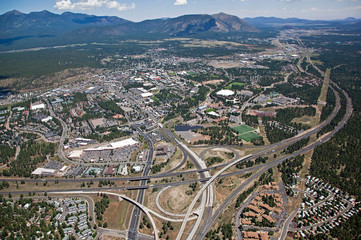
(138, 10)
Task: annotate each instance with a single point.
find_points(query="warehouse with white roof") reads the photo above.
(225, 93)
(120, 151)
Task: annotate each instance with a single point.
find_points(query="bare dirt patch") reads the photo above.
(115, 215)
(176, 199)
(175, 160)
(225, 186)
(218, 152)
(307, 120)
(214, 82)
(224, 64)
(108, 237)
(149, 199)
(52, 80)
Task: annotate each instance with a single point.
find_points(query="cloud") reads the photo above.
(91, 4)
(63, 5)
(120, 6)
(180, 2)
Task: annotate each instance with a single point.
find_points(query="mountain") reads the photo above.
(354, 27)
(179, 26)
(20, 30)
(276, 22)
(15, 23)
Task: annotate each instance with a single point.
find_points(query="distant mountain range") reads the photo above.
(275, 22)
(37, 28)
(180, 26)
(16, 23)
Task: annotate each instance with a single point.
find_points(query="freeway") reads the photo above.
(259, 153)
(197, 161)
(205, 186)
(210, 221)
(265, 151)
(205, 228)
(134, 222)
(268, 150)
(207, 197)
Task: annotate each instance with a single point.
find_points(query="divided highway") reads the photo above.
(134, 222)
(207, 226)
(207, 192)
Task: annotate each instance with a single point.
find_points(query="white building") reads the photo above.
(47, 119)
(37, 106)
(137, 168)
(43, 171)
(225, 93)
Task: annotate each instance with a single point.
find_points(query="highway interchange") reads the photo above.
(206, 210)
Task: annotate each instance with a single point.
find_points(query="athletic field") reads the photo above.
(246, 132)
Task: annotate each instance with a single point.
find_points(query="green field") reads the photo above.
(246, 132)
(243, 128)
(235, 84)
(249, 136)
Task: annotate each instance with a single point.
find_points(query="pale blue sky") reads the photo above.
(137, 10)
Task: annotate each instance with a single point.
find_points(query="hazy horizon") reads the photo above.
(136, 10)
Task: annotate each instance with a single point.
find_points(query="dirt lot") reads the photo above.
(175, 160)
(117, 214)
(224, 187)
(52, 80)
(32, 186)
(176, 200)
(214, 82)
(219, 152)
(219, 64)
(107, 237)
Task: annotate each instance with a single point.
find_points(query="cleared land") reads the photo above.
(224, 64)
(324, 89)
(176, 199)
(116, 214)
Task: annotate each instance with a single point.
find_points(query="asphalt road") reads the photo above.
(60, 152)
(135, 219)
(209, 223)
(205, 228)
(287, 224)
(210, 220)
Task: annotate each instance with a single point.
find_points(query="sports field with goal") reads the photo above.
(246, 133)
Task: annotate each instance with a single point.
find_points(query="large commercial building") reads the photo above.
(120, 151)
